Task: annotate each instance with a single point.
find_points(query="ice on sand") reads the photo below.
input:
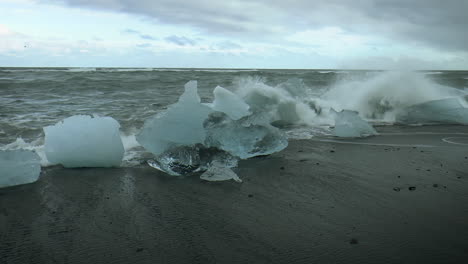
(84, 141)
(181, 124)
(244, 139)
(218, 172)
(350, 124)
(447, 111)
(190, 136)
(19, 167)
(229, 103)
(184, 160)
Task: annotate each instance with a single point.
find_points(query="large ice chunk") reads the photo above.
(448, 111)
(242, 139)
(350, 124)
(84, 141)
(181, 124)
(19, 167)
(229, 103)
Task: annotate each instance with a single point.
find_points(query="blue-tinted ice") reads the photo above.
(194, 137)
(84, 141)
(350, 124)
(19, 167)
(444, 111)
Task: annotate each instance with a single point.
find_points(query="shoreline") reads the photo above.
(401, 197)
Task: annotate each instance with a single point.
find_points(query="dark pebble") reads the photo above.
(399, 176)
(139, 249)
(396, 189)
(412, 188)
(428, 170)
(250, 195)
(458, 177)
(353, 241)
(332, 151)
(302, 160)
(317, 163)
(300, 151)
(282, 168)
(435, 185)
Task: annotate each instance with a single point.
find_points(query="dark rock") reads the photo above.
(435, 185)
(353, 241)
(396, 189)
(250, 195)
(139, 249)
(412, 188)
(281, 168)
(302, 160)
(332, 151)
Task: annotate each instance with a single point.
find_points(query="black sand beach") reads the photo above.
(401, 197)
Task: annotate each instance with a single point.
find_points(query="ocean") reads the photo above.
(33, 98)
(398, 197)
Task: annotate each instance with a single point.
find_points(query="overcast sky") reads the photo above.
(363, 34)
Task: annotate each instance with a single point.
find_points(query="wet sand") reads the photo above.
(401, 197)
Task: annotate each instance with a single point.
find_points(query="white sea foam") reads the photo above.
(381, 97)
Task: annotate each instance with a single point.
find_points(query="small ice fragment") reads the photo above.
(229, 103)
(19, 167)
(184, 160)
(349, 124)
(217, 172)
(177, 161)
(445, 111)
(181, 124)
(84, 141)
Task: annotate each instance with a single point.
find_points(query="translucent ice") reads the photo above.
(349, 124)
(229, 103)
(448, 111)
(218, 172)
(84, 141)
(244, 140)
(190, 136)
(181, 124)
(183, 160)
(19, 167)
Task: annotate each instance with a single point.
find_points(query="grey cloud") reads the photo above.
(440, 24)
(138, 33)
(180, 40)
(148, 37)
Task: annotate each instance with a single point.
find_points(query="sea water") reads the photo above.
(298, 102)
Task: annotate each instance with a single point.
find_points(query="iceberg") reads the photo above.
(229, 103)
(84, 141)
(350, 124)
(180, 125)
(19, 167)
(444, 111)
